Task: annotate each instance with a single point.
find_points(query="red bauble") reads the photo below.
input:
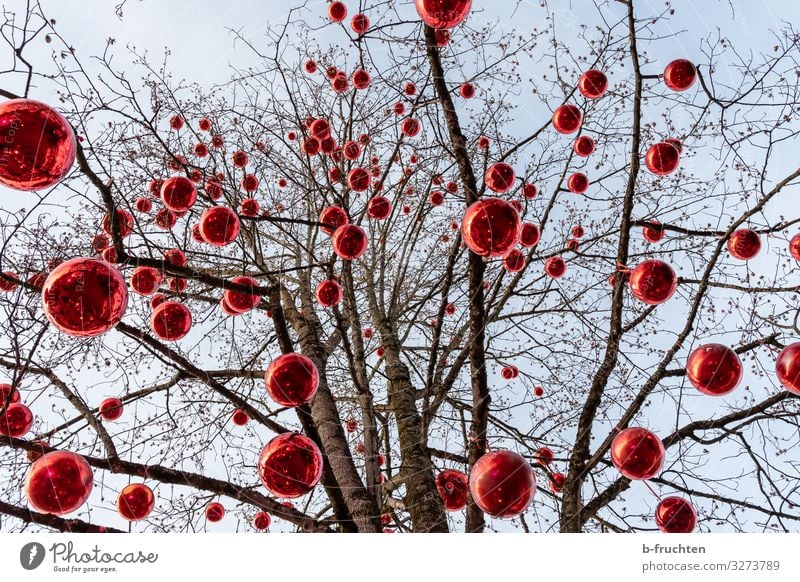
(787, 367)
(333, 217)
(262, 521)
(530, 191)
(379, 207)
(714, 369)
(310, 67)
(176, 122)
(351, 150)
(320, 129)
(453, 487)
(58, 482)
(439, 14)
(530, 235)
(145, 280)
(653, 282)
(239, 301)
(124, 220)
(215, 512)
(514, 261)
(337, 12)
(37, 145)
(567, 119)
(593, 84)
(290, 465)
(680, 75)
(111, 409)
(675, 515)
(144, 205)
(583, 146)
(662, 158)
(204, 124)
(292, 379)
(8, 394)
(555, 267)
(509, 372)
(361, 79)
(500, 177)
(16, 420)
(350, 241)
(329, 293)
(544, 456)
(219, 226)
(351, 425)
(249, 183)
(502, 484)
(249, 207)
(136, 502)
(467, 90)
(171, 321)
(436, 198)
(240, 159)
(84, 297)
(578, 183)
(360, 23)
(794, 247)
(637, 453)
(340, 84)
(358, 179)
(557, 481)
(178, 194)
(240, 417)
(491, 227)
(744, 244)
(577, 231)
(654, 232)
(411, 127)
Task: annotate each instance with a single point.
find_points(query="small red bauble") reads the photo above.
(292, 379)
(144, 205)
(262, 521)
(204, 124)
(240, 417)
(744, 244)
(794, 247)
(436, 198)
(249, 183)
(714, 369)
(453, 487)
(467, 90)
(578, 183)
(111, 409)
(361, 79)
(555, 267)
(410, 89)
(310, 67)
(593, 84)
(530, 191)
(351, 150)
(653, 232)
(358, 179)
(320, 129)
(171, 321)
(502, 484)
(290, 465)
(215, 512)
(662, 158)
(333, 217)
(577, 231)
(379, 207)
(557, 481)
(637, 453)
(239, 301)
(124, 222)
(240, 159)
(178, 194)
(538, 391)
(329, 293)
(16, 420)
(530, 235)
(509, 372)
(351, 425)
(165, 219)
(544, 455)
(583, 146)
(145, 280)
(491, 227)
(8, 394)
(37, 145)
(360, 23)
(350, 241)
(675, 515)
(411, 127)
(219, 226)
(442, 14)
(249, 207)
(58, 482)
(84, 297)
(787, 367)
(500, 177)
(567, 119)
(337, 12)
(136, 502)
(514, 261)
(653, 282)
(176, 122)
(442, 37)
(680, 74)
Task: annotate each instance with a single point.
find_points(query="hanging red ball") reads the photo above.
(555, 267)
(653, 282)
(680, 74)
(379, 207)
(653, 232)
(361, 79)
(178, 194)
(111, 409)
(262, 521)
(593, 84)
(467, 90)
(544, 455)
(320, 129)
(358, 179)
(337, 12)
(557, 481)
(787, 367)
(360, 23)
(583, 146)
(350, 242)
(500, 177)
(714, 369)
(662, 158)
(84, 297)
(37, 145)
(290, 465)
(219, 226)
(577, 231)
(332, 218)
(292, 379)
(171, 321)
(794, 247)
(240, 417)
(502, 484)
(145, 280)
(514, 261)
(453, 487)
(249, 183)
(411, 127)
(675, 515)
(443, 14)
(204, 124)
(491, 227)
(529, 235)
(744, 244)
(8, 394)
(16, 420)
(124, 221)
(135, 502)
(240, 301)
(58, 483)
(329, 293)
(637, 453)
(578, 183)
(215, 512)
(567, 119)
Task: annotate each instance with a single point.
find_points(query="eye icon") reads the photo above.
(31, 555)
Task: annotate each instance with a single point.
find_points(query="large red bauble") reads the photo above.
(653, 232)
(333, 217)
(491, 227)
(530, 235)
(567, 119)
(37, 145)
(239, 301)
(358, 179)
(16, 420)
(58, 482)
(653, 282)
(292, 379)
(329, 293)
(379, 207)
(440, 14)
(145, 280)
(637, 453)
(714, 369)
(136, 501)
(262, 521)
(453, 487)
(555, 267)
(787, 367)
(502, 483)
(178, 194)
(583, 146)
(111, 409)
(662, 158)
(500, 177)
(675, 515)
(794, 247)
(578, 183)
(171, 321)
(593, 84)
(215, 512)
(290, 465)
(349, 241)
(219, 226)
(744, 244)
(84, 297)
(680, 74)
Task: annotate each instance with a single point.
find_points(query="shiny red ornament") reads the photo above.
(567, 119)
(483, 142)
(310, 67)
(555, 267)
(557, 481)
(219, 226)
(491, 227)
(340, 83)
(653, 232)
(662, 158)
(215, 512)
(787, 367)
(240, 159)
(675, 515)
(240, 301)
(358, 179)
(714, 369)
(329, 293)
(249, 183)
(144, 205)
(111, 409)
(637, 453)
(360, 23)
(337, 12)
(240, 417)
(8, 395)
(351, 150)
(124, 220)
(653, 282)
(593, 84)
(213, 189)
(249, 207)
(290, 465)
(578, 183)
(583, 146)
(379, 207)
(350, 241)
(453, 487)
(443, 37)
(217, 141)
(16, 420)
(467, 90)
(292, 379)
(530, 191)
(135, 502)
(680, 74)
(84, 297)
(544, 455)
(204, 124)
(201, 150)
(320, 129)
(443, 14)
(58, 483)
(502, 484)
(500, 177)
(262, 521)
(361, 79)
(577, 231)
(37, 145)
(411, 127)
(410, 89)
(145, 280)
(514, 261)
(171, 321)
(176, 122)
(436, 198)
(509, 372)
(538, 391)
(794, 247)
(530, 235)
(178, 194)
(333, 217)
(744, 244)
(351, 425)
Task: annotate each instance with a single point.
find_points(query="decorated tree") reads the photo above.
(432, 276)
